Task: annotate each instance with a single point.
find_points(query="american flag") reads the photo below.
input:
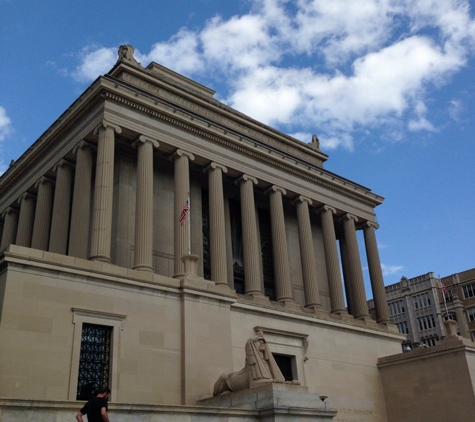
(444, 289)
(184, 212)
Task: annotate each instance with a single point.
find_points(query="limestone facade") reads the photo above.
(94, 234)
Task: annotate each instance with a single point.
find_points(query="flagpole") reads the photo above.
(443, 295)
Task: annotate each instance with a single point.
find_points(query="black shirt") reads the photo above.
(93, 409)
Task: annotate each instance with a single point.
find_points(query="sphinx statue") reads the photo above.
(260, 368)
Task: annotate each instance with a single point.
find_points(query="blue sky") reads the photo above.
(387, 85)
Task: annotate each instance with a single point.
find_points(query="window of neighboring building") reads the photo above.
(396, 308)
(402, 327)
(422, 300)
(471, 314)
(468, 290)
(426, 322)
(94, 360)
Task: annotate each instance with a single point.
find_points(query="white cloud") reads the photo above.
(314, 66)
(5, 124)
(95, 62)
(391, 269)
(180, 53)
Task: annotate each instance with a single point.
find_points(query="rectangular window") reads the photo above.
(285, 364)
(94, 360)
(468, 290)
(471, 314)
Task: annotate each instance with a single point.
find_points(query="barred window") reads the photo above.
(426, 322)
(94, 360)
(402, 327)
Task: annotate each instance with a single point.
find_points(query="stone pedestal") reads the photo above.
(276, 403)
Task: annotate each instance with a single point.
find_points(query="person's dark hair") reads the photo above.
(104, 390)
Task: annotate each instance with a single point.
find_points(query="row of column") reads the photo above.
(45, 226)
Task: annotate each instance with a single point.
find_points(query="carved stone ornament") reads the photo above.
(126, 54)
(260, 368)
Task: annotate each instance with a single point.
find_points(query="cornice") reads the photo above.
(314, 174)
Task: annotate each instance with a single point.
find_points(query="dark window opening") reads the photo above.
(206, 243)
(94, 360)
(284, 362)
(236, 238)
(266, 253)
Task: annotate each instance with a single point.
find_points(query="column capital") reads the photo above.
(301, 199)
(105, 124)
(274, 189)
(9, 210)
(144, 139)
(215, 166)
(26, 195)
(180, 153)
(245, 178)
(326, 208)
(366, 224)
(43, 179)
(61, 163)
(82, 144)
(349, 216)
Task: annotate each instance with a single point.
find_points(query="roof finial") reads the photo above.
(126, 54)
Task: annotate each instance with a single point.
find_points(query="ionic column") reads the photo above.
(307, 254)
(375, 273)
(250, 239)
(10, 226)
(182, 194)
(217, 231)
(144, 204)
(283, 285)
(337, 300)
(348, 283)
(103, 192)
(81, 208)
(44, 206)
(58, 241)
(354, 266)
(25, 220)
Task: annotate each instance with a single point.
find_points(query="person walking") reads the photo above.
(96, 408)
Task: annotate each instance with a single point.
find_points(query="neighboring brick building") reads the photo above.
(417, 306)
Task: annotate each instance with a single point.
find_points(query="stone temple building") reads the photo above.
(152, 230)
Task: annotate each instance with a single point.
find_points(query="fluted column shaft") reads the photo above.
(376, 274)
(217, 231)
(182, 193)
(347, 276)
(283, 284)
(144, 204)
(250, 239)
(58, 242)
(44, 206)
(25, 220)
(354, 266)
(337, 301)
(10, 226)
(307, 254)
(103, 193)
(81, 208)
